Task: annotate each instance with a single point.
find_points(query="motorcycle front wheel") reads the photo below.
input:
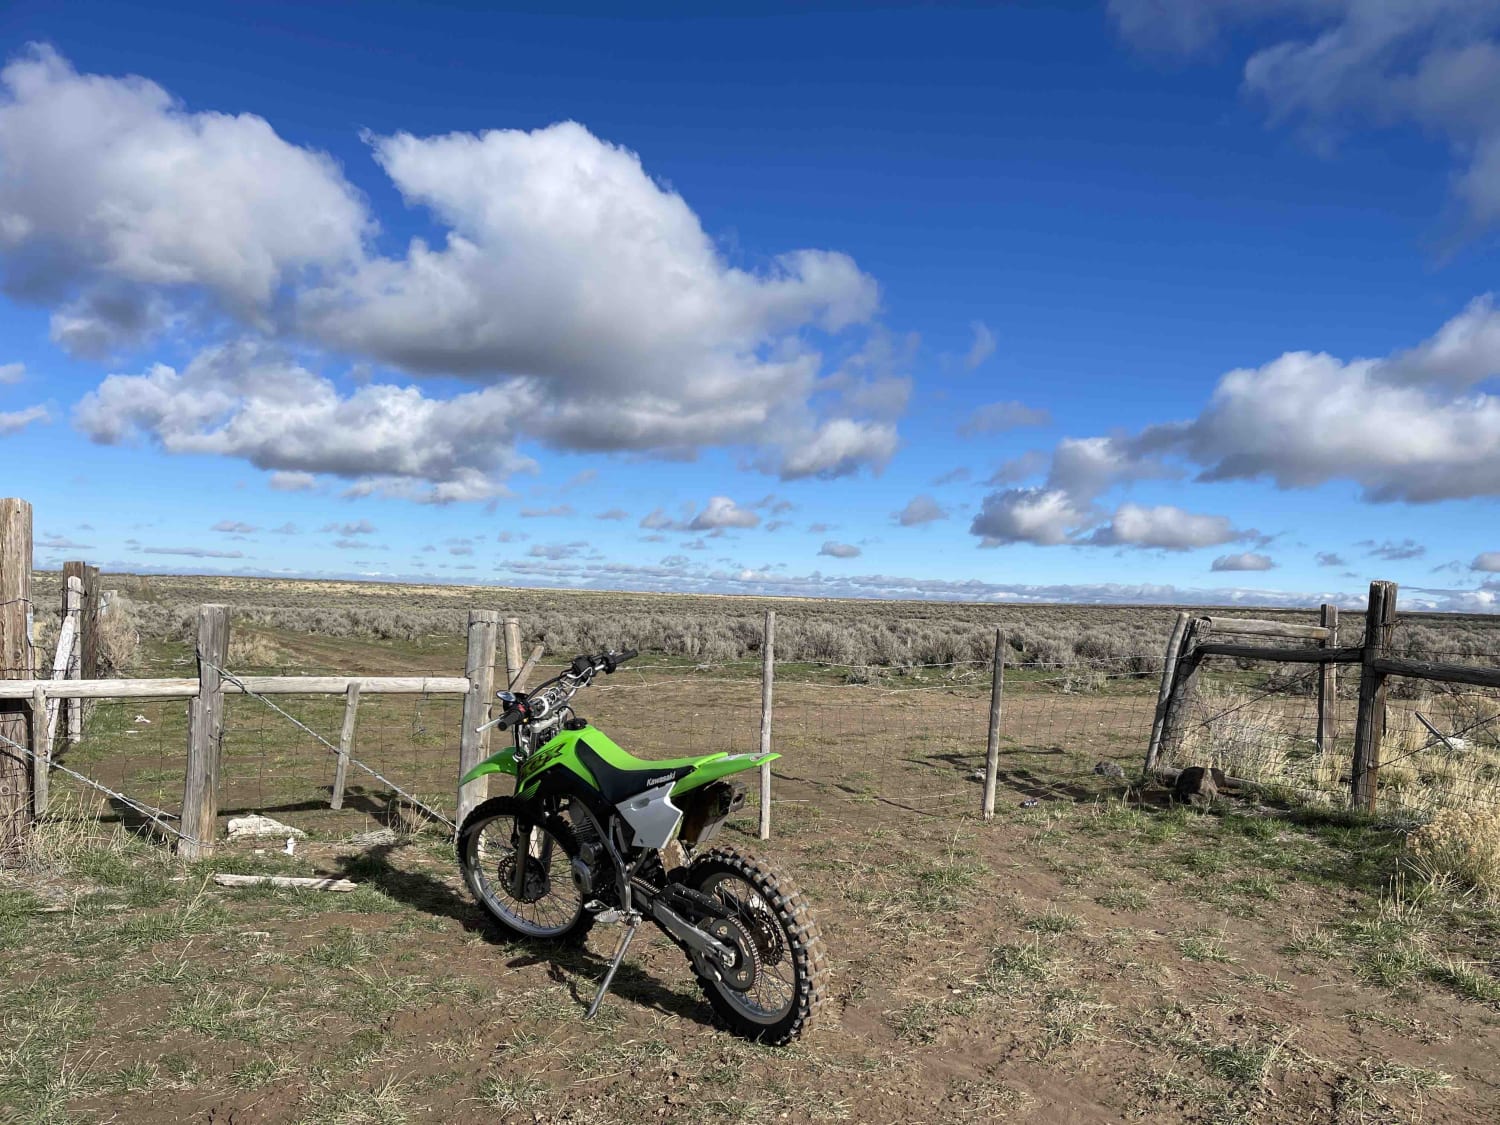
(542, 902)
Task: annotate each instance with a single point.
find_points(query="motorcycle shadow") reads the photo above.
(578, 969)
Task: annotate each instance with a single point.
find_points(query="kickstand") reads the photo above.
(625, 940)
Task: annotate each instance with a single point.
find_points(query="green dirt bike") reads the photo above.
(594, 834)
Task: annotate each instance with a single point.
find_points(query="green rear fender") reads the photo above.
(503, 762)
(720, 767)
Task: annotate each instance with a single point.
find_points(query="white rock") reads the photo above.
(252, 827)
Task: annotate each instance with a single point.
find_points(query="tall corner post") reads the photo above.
(1369, 727)
(767, 692)
(200, 790)
(17, 663)
(479, 670)
(992, 748)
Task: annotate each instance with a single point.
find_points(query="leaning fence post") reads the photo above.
(1327, 681)
(346, 743)
(513, 664)
(1183, 691)
(767, 689)
(479, 668)
(1369, 728)
(1164, 693)
(992, 750)
(200, 790)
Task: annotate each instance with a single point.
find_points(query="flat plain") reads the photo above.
(1094, 953)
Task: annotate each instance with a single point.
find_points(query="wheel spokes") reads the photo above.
(539, 900)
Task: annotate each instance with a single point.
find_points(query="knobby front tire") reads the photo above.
(483, 843)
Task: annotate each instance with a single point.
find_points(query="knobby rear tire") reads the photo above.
(558, 828)
(800, 931)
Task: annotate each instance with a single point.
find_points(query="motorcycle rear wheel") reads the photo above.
(772, 923)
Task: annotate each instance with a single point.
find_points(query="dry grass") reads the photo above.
(1463, 845)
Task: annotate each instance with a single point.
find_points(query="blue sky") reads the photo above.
(1138, 301)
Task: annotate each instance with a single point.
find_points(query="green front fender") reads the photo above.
(503, 762)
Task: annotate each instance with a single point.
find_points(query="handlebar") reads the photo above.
(576, 675)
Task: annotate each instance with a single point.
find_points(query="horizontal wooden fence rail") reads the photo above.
(1255, 627)
(1284, 655)
(1447, 673)
(185, 688)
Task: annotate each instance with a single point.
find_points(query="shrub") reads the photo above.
(118, 638)
(1460, 844)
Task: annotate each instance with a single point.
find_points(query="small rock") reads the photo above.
(1196, 785)
(977, 775)
(371, 839)
(1030, 803)
(1109, 769)
(251, 827)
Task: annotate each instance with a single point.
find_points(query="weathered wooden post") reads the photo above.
(992, 750)
(200, 789)
(41, 749)
(513, 663)
(479, 668)
(87, 667)
(767, 690)
(1369, 728)
(1184, 690)
(1328, 681)
(1164, 693)
(16, 663)
(346, 743)
(73, 612)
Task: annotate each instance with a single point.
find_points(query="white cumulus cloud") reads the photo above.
(109, 182)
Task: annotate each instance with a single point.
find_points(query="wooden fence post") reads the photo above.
(992, 749)
(1328, 681)
(513, 662)
(346, 743)
(16, 663)
(1164, 693)
(73, 611)
(88, 653)
(200, 789)
(767, 690)
(1369, 728)
(1183, 692)
(479, 667)
(41, 749)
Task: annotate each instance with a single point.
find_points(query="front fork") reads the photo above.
(527, 851)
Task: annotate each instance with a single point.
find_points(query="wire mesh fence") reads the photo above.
(1441, 748)
(851, 736)
(1258, 720)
